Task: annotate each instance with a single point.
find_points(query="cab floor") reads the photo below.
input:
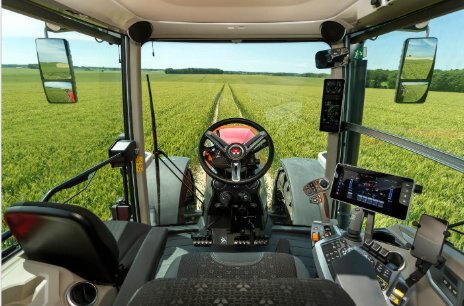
(180, 243)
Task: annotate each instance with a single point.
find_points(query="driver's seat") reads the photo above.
(74, 238)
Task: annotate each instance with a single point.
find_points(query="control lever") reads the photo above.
(315, 191)
(316, 186)
(354, 230)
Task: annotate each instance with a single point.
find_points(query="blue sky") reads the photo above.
(19, 33)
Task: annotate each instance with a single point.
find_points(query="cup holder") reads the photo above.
(395, 261)
(82, 294)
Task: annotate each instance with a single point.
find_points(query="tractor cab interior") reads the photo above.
(253, 224)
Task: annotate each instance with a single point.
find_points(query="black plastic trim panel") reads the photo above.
(447, 159)
(37, 11)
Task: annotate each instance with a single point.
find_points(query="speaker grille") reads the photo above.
(332, 31)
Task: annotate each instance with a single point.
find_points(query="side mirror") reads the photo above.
(416, 70)
(332, 58)
(56, 70)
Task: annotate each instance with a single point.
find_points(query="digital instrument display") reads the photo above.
(332, 99)
(387, 194)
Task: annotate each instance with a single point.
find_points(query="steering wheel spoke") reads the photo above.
(218, 142)
(236, 168)
(253, 143)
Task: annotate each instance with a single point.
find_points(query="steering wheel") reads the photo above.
(235, 154)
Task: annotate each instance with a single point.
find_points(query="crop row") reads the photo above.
(227, 106)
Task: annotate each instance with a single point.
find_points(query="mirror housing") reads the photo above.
(332, 58)
(416, 70)
(56, 70)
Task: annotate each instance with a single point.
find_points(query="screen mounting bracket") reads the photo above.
(368, 232)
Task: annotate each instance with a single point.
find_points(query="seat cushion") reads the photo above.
(129, 237)
(247, 265)
(281, 291)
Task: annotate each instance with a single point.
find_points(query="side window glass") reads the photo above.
(45, 144)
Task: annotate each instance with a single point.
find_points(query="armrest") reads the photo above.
(356, 275)
(144, 266)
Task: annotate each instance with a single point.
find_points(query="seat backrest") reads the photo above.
(65, 235)
(214, 291)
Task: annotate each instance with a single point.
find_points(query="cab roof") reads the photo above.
(236, 19)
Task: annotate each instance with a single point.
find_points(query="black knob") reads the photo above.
(324, 183)
(225, 197)
(245, 196)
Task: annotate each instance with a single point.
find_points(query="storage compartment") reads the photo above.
(23, 294)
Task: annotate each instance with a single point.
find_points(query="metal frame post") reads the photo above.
(353, 108)
(135, 117)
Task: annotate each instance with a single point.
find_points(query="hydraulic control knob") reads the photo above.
(225, 197)
(245, 197)
(324, 183)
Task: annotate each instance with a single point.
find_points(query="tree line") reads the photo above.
(442, 80)
(220, 71)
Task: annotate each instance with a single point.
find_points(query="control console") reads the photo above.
(315, 190)
(223, 237)
(387, 265)
(320, 231)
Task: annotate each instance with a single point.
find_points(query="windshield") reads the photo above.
(198, 84)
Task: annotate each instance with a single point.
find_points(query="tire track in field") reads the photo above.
(198, 173)
(237, 103)
(268, 178)
(217, 100)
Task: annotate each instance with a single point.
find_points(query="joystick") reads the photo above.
(354, 230)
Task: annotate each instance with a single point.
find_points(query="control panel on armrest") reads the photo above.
(385, 263)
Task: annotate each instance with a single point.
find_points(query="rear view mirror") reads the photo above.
(416, 70)
(56, 70)
(332, 58)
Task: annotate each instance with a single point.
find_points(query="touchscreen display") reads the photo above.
(387, 194)
(331, 105)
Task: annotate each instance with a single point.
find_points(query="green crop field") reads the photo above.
(43, 144)
(55, 71)
(416, 68)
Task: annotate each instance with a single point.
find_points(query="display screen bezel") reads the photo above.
(398, 210)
